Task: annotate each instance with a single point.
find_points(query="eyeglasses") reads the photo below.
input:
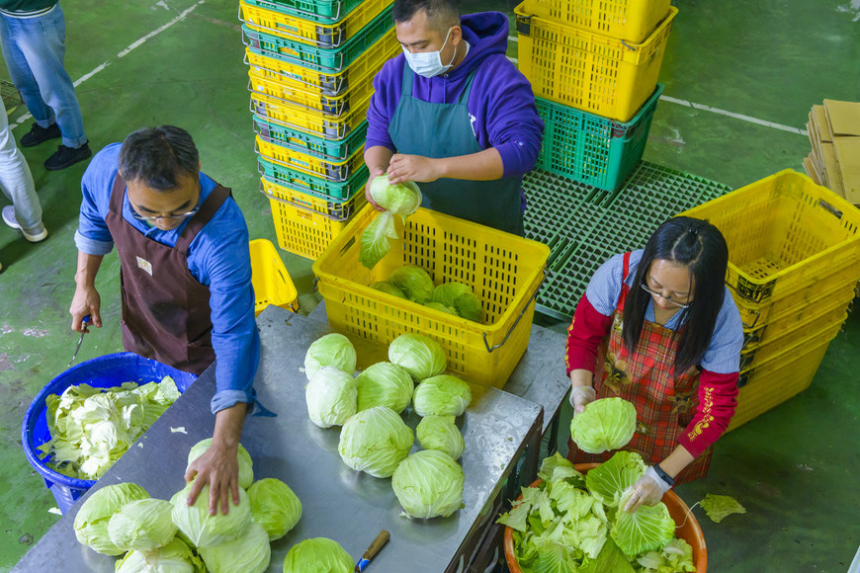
(666, 298)
(171, 217)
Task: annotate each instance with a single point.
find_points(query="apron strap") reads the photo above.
(464, 95)
(408, 77)
(210, 206)
(624, 274)
(117, 194)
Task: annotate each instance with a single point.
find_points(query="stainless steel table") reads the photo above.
(338, 502)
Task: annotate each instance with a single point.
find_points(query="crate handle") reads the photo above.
(296, 37)
(830, 208)
(754, 322)
(333, 92)
(292, 59)
(336, 115)
(337, 133)
(305, 14)
(524, 25)
(628, 46)
(342, 170)
(299, 206)
(306, 150)
(517, 321)
(304, 190)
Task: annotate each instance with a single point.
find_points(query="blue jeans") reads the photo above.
(34, 49)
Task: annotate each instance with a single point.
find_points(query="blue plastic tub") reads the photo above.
(103, 372)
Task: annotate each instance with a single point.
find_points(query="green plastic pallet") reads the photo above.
(584, 226)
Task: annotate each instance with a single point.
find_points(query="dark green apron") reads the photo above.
(441, 130)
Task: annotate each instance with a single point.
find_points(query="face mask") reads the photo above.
(429, 64)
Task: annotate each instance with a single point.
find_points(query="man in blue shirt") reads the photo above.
(186, 278)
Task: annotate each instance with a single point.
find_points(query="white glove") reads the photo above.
(648, 490)
(580, 396)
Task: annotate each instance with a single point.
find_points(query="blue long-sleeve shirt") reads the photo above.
(218, 258)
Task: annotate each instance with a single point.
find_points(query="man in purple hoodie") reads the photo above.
(454, 115)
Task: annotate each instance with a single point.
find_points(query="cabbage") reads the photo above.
(606, 424)
(388, 288)
(375, 441)
(330, 396)
(384, 384)
(460, 297)
(442, 308)
(402, 199)
(443, 395)
(246, 466)
(204, 530)
(649, 528)
(441, 433)
(420, 355)
(415, 283)
(609, 480)
(429, 484)
(91, 522)
(557, 467)
(448, 293)
(91, 429)
(142, 525)
(175, 557)
(318, 555)
(677, 556)
(469, 307)
(248, 553)
(274, 506)
(330, 350)
(718, 507)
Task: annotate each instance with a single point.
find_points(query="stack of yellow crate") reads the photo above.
(312, 64)
(593, 66)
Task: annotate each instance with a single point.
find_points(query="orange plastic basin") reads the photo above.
(689, 532)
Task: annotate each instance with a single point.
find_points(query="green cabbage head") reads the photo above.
(607, 424)
(142, 525)
(415, 283)
(175, 557)
(331, 397)
(246, 466)
(442, 308)
(248, 553)
(204, 530)
(448, 293)
(388, 288)
(420, 355)
(441, 433)
(274, 506)
(375, 441)
(443, 395)
(91, 522)
(400, 199)
(429, 484)
(384, 384)
(460, 297)
(318, 555)
(330, 350)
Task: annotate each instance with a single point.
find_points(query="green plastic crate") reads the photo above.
(584, 227)
(326, 60)
(593, 149)
(322, 11)
(312, 185)
(334, 151)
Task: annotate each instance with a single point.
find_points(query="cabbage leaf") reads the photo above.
(607, 424)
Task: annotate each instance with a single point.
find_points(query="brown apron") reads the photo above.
(165, 310)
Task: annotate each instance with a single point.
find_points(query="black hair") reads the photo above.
(441, 14)
(157, 156)
(701, 248)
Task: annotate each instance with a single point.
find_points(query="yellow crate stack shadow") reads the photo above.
(311, 65)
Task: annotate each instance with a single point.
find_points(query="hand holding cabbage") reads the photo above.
(402, 199)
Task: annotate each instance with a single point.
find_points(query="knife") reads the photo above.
(371, 552)
(81, 339)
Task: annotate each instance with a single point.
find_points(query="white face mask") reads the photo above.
(429, 64)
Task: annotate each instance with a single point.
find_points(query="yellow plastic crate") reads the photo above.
(336, 172)
(309, 121)
(308, 31)
(311, 99)
(272, 282)
(300, 77)
(504, 270)
(784, 232)
(589, 71)
(772, 384)
(335, 209)
(630, 20)
(302, 231)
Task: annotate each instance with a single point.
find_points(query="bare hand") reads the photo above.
(218, 468)
(374, 173)
(86, 301)
(413, 168)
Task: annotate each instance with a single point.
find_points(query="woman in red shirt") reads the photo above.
(658, 327)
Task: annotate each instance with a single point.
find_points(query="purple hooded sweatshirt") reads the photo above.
(502, 104)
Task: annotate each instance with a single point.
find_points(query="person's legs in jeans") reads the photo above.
(22, 77)
(17, 181)
(41, 40)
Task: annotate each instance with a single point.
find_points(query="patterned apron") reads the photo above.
(665, 403)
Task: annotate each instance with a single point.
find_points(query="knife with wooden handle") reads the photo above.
(371, 552)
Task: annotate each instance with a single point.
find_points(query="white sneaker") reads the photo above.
(34, 235)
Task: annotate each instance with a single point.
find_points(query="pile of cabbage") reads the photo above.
(574, 523)
(91, 428)
(374, 438)
(402, 199)
(414, 284)
(157, 535)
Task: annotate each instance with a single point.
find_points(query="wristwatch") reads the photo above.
(663, 475)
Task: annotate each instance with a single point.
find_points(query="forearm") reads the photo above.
(228, 426)
(581, 378)
(88, 268)
(377, 158)
(675, 463)
(485, 165)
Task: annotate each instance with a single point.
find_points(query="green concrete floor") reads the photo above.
(793, 468)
